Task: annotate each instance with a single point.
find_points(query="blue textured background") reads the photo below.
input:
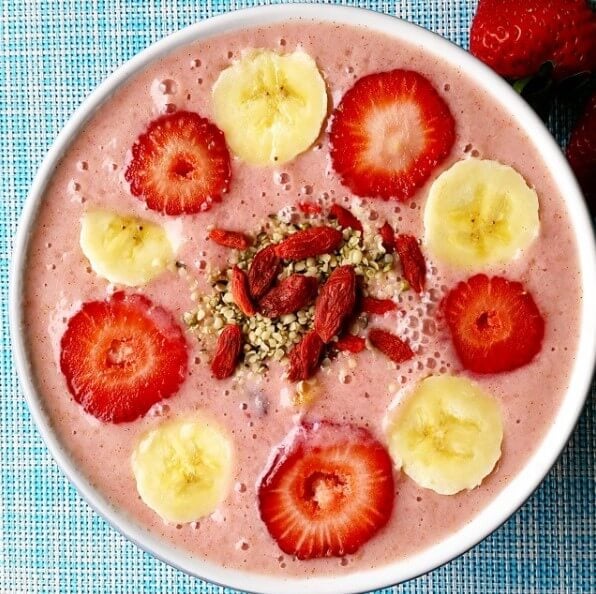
(52, 54)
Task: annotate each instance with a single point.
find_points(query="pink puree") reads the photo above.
(59, 280)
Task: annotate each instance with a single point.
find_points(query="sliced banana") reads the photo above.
(183, 469)
(270, 106)
(446, 435)
(125, 250)
(480, 213)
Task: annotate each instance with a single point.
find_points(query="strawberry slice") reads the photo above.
(389, 132)
(495, 324)
(180, 164)
(328, 491)
(121, 356)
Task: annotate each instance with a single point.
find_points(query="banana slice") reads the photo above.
(183, 469)
(125, 250)
(270, 106)
(446, 435)
(480, 213)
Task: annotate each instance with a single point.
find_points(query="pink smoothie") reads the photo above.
(356, 388)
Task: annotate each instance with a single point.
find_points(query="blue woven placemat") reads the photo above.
(52, 54)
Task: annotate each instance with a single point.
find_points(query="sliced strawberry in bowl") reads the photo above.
(121, 356)
(328, 490)
(180, 164)
(389, 132)
(495, 324)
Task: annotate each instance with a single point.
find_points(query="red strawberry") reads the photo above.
(581, 151)
(495, 324)
(328, 490)
(387, 237)
(309, 243)
(345, 218)
(304, 357)
(388, 134)
(309, 208)
(372, 305)
(335, 302)
(516, 38)
(291, 294)
(230, 239)
(262, 271)
(412, 261)
(240, 293)
(389, 344)
(227, 352)
(180, 164)
(121, 356)
(350, 343)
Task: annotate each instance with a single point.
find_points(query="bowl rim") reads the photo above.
(513, 495)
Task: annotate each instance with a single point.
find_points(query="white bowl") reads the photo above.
(515, 493)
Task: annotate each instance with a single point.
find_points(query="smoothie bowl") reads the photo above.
(298, 300)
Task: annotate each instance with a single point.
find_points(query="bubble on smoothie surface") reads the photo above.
(168, 86)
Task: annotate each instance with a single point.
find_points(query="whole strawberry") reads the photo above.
(515, 38)
(581, 151)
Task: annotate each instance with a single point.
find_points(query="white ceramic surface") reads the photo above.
(515, 493)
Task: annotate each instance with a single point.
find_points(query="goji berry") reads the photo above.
(305, 357)
(262, 271)
(335, 302)
(350, 343)
(345, 218)
(412, 261)
(227, 352)
(389, 344)
(372, 305)
(290, 295)
(309, 243)
(309, 208)
(239, 287)
(230, 239)
(387, 237)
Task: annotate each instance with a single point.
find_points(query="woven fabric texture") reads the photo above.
(52, 54)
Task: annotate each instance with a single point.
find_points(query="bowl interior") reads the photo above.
(516, 492)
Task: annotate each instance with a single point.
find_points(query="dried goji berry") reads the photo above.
(290, 295)
(412, 261)
(372, 305)
(335, 302)
(345, 218)
(389, 344)
(350, 343)
(309, 208)
(239, 287)
(309, 243)
(387, 237)
(305, 357)
(262, 271)
(227, 351)
(230, 239)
